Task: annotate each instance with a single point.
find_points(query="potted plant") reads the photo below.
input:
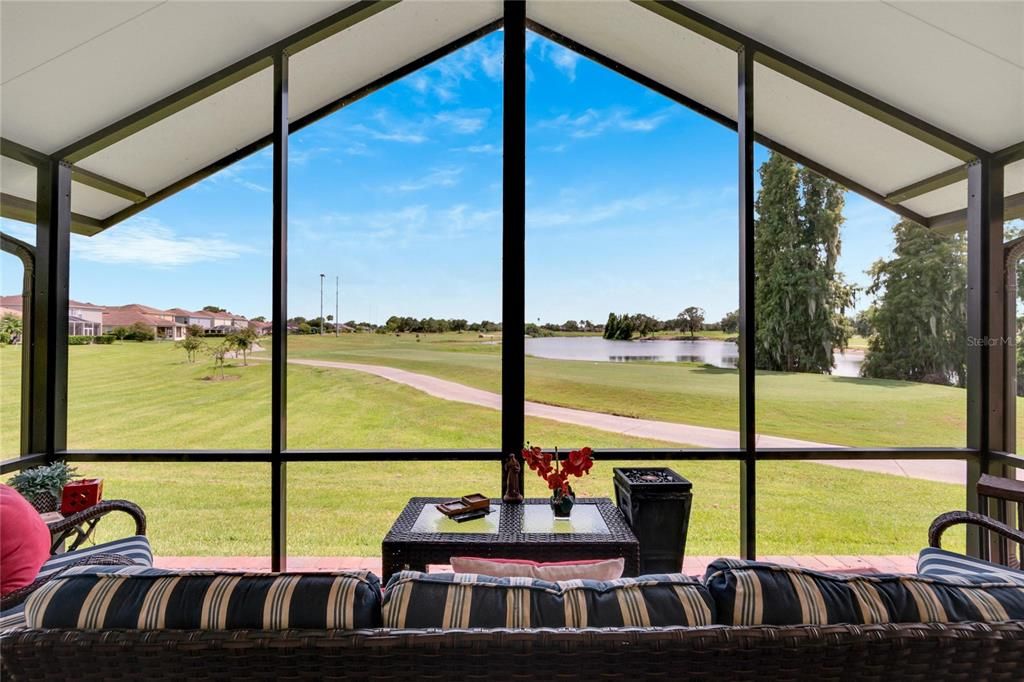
(42, 486)
(556, 473)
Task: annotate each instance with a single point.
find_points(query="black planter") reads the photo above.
(656, 503)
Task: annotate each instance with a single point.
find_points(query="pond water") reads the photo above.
(714, 353)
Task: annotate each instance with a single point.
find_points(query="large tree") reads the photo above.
(691, 320)
(919, 318)
(730, 323)
(800, 297)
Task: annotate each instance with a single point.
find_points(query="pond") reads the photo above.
(710, 352)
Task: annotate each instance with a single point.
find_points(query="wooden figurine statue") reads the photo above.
(512, 469)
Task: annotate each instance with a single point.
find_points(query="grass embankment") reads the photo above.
(145, 396)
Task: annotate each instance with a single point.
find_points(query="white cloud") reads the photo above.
(390, 135)
(390, 128)
(464, 121)
(564, 60)
(593, 122)
(579, 212)
(442, 78)
(237, 174)
(439, 177)
(419, 82)
(401, 227)
(479, 149)
(301, 156)
(462, 218)
(147, 241)
(358, 149)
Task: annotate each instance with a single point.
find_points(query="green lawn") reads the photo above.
(145, 396)
(837, 410)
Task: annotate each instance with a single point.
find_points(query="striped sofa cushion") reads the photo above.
(755, 593)
(468, 600)
(135, 548)
(154, 600)
(14, 617)
(941, 563)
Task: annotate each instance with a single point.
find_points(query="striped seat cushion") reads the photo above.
(153, 599)
(941, 563)
(755, 593)
(14, 617)
(467, 600)
(135, 548)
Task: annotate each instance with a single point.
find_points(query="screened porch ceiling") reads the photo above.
(109, 85)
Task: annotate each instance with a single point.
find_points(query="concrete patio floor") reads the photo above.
(894, 563)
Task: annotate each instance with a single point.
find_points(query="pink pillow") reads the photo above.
(24, 541)
(553, 571)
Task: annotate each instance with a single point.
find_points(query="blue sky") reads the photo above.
(631, 207)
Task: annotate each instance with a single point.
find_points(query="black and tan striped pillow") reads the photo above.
(467, 600)
(207, 601)
(757, 593)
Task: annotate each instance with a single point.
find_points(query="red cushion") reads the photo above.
(24, 541)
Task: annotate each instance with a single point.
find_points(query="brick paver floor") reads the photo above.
(894, 563)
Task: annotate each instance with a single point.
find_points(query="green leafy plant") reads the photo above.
(105, 339)
(192, 346)
(10, 329)
(48, 479)
(79, 340)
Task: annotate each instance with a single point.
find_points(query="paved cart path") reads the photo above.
(683, 434)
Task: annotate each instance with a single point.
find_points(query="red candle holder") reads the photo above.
(79, 495)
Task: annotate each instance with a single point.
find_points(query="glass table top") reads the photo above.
(585, 518)
(432, 521)
(537, 518)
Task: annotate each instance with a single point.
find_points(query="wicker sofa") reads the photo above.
(912, 651)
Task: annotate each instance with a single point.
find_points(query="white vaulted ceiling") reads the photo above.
(69, 69)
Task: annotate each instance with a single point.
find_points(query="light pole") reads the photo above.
(322, 304)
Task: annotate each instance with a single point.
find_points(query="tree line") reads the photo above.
(691, 320)
(394, 324)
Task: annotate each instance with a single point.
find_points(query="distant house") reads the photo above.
(201, 318)
(181, 316)
(84, 319)
(219, 324)
(261, 328)
(88, 319)
(161, 322)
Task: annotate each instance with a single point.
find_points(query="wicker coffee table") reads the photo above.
(422, 535)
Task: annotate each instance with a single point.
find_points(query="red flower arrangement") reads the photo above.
(556, 472)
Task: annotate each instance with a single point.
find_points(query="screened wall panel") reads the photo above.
(396, 201)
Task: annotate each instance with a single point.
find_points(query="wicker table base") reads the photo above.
(407, 547)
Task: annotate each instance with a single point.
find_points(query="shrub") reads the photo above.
(140, 332)
(105, 340)
(10, 329)
(192, 345)
(79, 340)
